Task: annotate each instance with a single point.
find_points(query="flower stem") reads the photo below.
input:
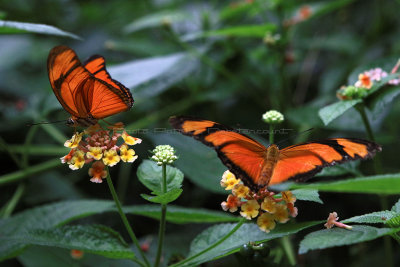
(124, 219)
(378, 169)
(288, 248)
(271, 134)
(161, 232)
(238, 225)
(361, 109)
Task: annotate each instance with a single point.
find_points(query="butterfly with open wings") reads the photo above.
(259, 166)
(86, 91)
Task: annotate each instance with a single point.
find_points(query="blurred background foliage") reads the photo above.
(228, 61)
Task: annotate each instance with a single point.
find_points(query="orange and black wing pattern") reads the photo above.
(88, 90)
(302, 161)
(243, 155)
(247, 158)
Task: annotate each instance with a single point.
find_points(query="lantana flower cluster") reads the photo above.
(164, 154)
(101, 148)
(365, 82)
(263, 205)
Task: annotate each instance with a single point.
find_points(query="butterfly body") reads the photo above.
(86, 91)
(270, 160)
(259, 166)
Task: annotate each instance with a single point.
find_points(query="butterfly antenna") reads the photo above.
(44, 122)
(293, 136)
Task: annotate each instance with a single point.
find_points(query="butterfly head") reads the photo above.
(84, 122)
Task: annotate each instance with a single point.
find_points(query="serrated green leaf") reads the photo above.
(338, 237)
(374, 217)
(150, 175)
(307, 194)
(246, 233)
(7, 27)
(156, 20)
(396, 207)
(97, 239)
(331, 112)
(45, 217)
(257, 31)
(394, 222)
(176, 214)
(164, 198)
(379, 184)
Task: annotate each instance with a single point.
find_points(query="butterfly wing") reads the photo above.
(78, 89)
(110, 104)
(242, 155)
(67, 76)
(302, 161)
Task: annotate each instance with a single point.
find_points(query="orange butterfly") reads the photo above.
(259, 166)
(86, 91)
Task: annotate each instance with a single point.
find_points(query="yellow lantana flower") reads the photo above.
(130, 140)
(229, 180)
(111, 157)
(281, 214)
(95, 153)
(127, 155)
(266, 222)
(240, 190)
(250, 209)
(268, 205)
(78, 160)
(74, 141)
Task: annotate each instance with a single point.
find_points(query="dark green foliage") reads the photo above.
(227, 61)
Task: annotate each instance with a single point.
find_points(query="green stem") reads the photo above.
(378, 169)
(361, 110)
(12, 203)
(271, 134)
(288, 248)
(161, 232)
(124, 219)
(23, 174)
(238, 225)
(123, 181)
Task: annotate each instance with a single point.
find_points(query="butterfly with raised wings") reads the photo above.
(259, 166)
(86, 91)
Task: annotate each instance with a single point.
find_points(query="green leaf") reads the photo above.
(156, 20)
(307, 194)
(374, 217)
(331, 112)
(200, 163)
(380, 100)
(97, 239)
(246, 233)
(338, 237)
(7, 27)
(378, 184)
(151, 76)
(238, 10)
(344, 168)
(396, 207)
(176, 214)
(257, 31)
(150, 175)
(45, 217)
(164, 198)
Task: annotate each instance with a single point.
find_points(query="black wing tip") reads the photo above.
(93, 57)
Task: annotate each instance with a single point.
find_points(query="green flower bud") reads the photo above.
(164, 154)
(273, 117)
